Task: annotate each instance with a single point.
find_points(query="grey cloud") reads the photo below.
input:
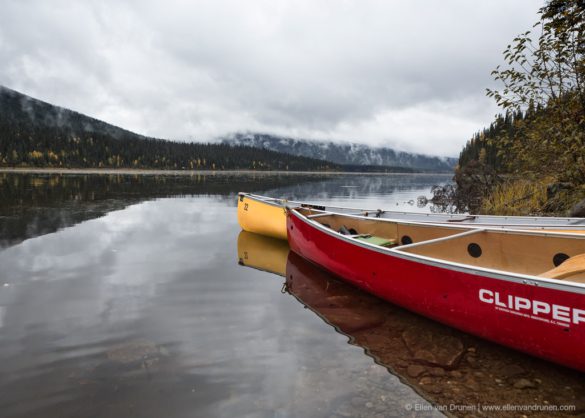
(346, 70)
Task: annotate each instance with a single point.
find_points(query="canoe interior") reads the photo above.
(554, 256)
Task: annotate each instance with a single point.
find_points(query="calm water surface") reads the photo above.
(122, 296)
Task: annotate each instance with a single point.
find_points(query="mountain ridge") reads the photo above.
(350, 153)
(34, 133)
(58, 116)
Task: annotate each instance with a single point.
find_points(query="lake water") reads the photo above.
(137, 295)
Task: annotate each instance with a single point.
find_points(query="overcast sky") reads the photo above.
(406, 74)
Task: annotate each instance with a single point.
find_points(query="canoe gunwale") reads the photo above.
(485, 272)
(488, 226)
(569, 221)
(483, 227)
(269, 201)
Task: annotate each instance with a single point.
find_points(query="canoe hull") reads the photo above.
(491, 308)
(262, 218)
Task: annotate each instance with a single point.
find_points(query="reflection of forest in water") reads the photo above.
(354, 186)
(33, 204)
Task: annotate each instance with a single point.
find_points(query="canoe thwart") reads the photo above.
(467, 218)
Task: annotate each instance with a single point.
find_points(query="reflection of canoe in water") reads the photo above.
(522, 289)
(266, 216)
(262, 253)
(336, 302)
(445, 365)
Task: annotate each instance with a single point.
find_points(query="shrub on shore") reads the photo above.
(516, 198)
(538, 197)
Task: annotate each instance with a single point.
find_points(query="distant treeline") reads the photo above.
(37, 134)
(352, 168)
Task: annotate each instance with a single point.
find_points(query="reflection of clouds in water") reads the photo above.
(111, 266)
(392, 192)
(292, 361)
(166, 271)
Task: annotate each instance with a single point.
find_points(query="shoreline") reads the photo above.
(144, 172)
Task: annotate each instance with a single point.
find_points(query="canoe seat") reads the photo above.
(572, 269)
(370, 239)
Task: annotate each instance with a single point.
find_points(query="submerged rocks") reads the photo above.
(352, 320)
(427, 384)
(133, 356)
(578, 210)
(511, 370)
(415, 370)
(524, 384)
(439, 349)
(133, 351)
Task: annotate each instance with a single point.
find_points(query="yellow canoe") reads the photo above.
(267, 216)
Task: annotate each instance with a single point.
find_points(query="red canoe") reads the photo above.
(525, 290)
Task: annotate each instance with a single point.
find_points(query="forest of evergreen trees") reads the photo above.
(37, 134)
(531, 159)
(488, 147)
